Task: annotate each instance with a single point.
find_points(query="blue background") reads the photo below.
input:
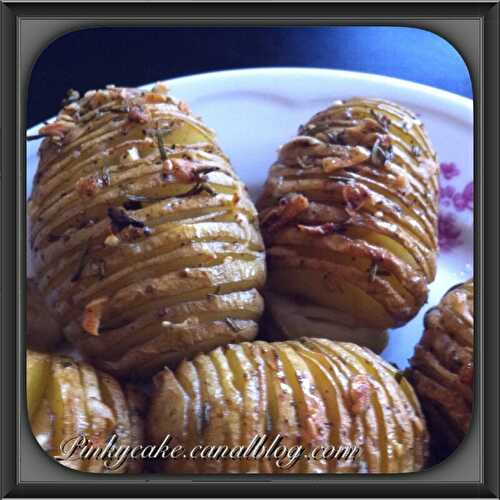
(133, 56)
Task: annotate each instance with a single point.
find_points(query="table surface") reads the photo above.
(93, 58)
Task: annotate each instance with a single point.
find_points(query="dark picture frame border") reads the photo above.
(14, 83)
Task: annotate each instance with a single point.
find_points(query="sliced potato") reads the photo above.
(74, 410)
(335, 402)
(138, 222)
(349, 218)
(442, 368)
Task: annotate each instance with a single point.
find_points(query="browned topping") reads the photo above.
(355, 196)
(92, 316)
(138, 115)
(88, 186)
(360, 394)
(290, 206)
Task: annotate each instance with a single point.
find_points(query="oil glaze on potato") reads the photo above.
(146, 244)
(442, 368)
(314, 392)
(67, 398)
(349, 213)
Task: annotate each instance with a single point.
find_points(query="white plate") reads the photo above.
(256, 110)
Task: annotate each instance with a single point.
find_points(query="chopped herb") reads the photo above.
(379, 156)
(232, 324)
(120, 219)
(161, 145)
(198, 188)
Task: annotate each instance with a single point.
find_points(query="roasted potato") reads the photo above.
(313, 392)
(146, 245)
(442, 368)
(68, 398)
(43, 331)
(349, 215)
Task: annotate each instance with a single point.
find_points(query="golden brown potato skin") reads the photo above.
(314, 392)
(442, 368)
(145, 243)
(43, 330)
(349, 213)
(66, 398)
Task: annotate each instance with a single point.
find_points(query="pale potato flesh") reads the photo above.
(313, 392)
(349, 216)
(136, 213)
(67, 398)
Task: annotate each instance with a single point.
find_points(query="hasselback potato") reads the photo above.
(349, 213)
(442, 368)
(68, 398)
(146, 245)
(314, 392)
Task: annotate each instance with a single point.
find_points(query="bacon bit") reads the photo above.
(56, 129)
(92, 316)
(183, 107)
(160, 88)
(138, 115)
(466, 373)
(321, 230)
(88, 186)
(365, 133)
(355, 196)
(236, 198)
(98, 99)
(360, 393)
(184, 170)
(429, 167)
(401, 182)
(153, 98)
(353, 156)
(288, 208)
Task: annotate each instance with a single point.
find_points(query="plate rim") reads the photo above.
(462, 108)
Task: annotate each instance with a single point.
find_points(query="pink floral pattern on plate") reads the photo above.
(452, 200)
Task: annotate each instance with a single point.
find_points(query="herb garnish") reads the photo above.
(120, 219)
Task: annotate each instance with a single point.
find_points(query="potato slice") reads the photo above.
(100, 416)
(233, 399)
(214, 412)
(338, 417)
(283, 416)
(66, 399)
(42, 425)
(37, 376)
(249, 379)
(114, 398)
